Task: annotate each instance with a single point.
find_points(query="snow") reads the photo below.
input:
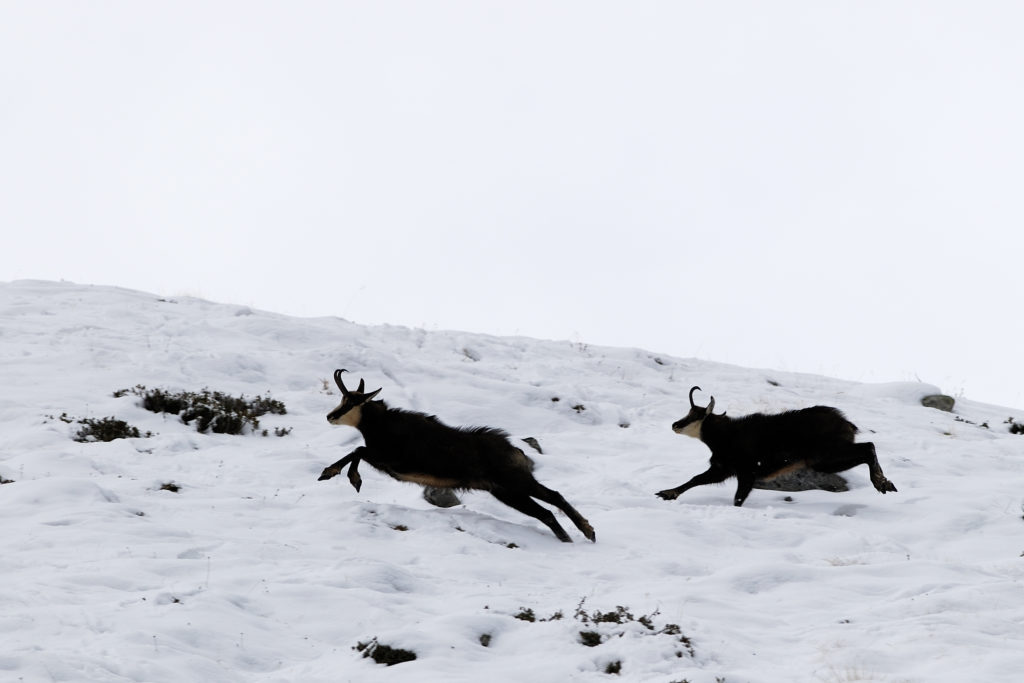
(255, 571)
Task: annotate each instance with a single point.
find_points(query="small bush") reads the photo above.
(106, 429)
(5, 481)
(983, 425)
(614, 667)
(384, 654)
(674, 630)
(592, 637)
(212, 411)
(1015, 427)
(621, 615)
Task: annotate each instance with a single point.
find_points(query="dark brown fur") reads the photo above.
(419, 448)
(760, 446)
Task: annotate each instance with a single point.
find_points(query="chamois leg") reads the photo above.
(744, 484)
(353, 474)
(856, 454)
(555, 498)
(878, 478)
(528, 506)
(334, 470)
(714, 475)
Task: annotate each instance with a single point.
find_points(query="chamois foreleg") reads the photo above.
(351, 459)
(744, 484)
(714, 475)
(528, 506)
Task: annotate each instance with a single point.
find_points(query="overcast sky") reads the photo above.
(827, 187)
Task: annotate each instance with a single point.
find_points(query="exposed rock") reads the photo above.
(442, 498)
(533, 444)
(804, 480)
(939, 402)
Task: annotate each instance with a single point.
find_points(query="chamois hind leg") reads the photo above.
(878, 478)
(555, 498)
(856, 454)
(528, 506)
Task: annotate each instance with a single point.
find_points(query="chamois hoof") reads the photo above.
(328, 473)
(588, 531)
(564, 537)
(885, 486)
(668, 494)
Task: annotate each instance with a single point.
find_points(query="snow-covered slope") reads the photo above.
(255, 571)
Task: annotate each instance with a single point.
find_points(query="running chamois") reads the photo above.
(419, 448)
(760, 446)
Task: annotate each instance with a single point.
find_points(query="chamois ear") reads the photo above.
(369, 397)
(711, 406)
(362, 386)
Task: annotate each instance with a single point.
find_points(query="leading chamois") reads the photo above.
(416, 447)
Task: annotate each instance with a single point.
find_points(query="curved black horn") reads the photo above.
(341, 385)
(691, 396)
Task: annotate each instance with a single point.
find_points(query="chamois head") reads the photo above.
(350, 410)
(690, 425)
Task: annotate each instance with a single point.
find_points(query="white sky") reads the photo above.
(832, 187)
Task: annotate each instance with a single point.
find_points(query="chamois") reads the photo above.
(760, 446)
(419, 448)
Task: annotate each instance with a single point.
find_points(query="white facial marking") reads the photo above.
(349, 419)
(692, 430)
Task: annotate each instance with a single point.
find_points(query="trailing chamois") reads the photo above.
(760, 446)
(418, 448)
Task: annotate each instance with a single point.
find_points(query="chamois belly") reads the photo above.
(770, 463)
(441, 482)
(780, 469)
